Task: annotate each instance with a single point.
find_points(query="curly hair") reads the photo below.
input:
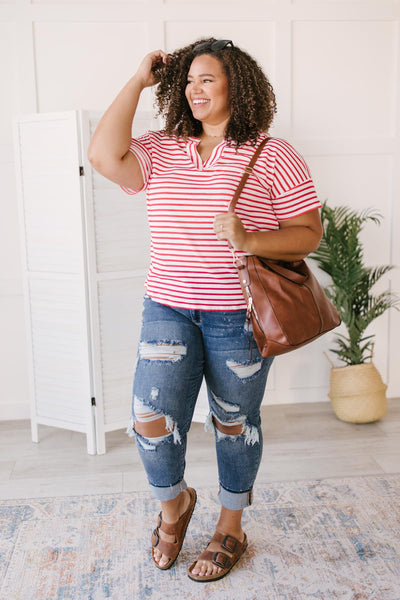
(252, 99)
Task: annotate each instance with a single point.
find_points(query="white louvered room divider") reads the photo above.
(85, 249)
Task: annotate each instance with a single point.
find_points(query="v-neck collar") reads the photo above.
(191, 149)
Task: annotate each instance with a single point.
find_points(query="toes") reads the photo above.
(205, 569)
(157, 555)
(159, 558)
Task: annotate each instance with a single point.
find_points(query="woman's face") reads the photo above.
(207, 90)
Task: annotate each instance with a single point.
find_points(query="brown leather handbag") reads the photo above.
(286, 306)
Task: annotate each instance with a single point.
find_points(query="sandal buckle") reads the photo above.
(228, 539)
(155, 533)
(218, 563)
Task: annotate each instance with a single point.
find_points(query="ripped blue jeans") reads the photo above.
(177, 348)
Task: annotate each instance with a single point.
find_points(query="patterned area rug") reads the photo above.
(324, 539)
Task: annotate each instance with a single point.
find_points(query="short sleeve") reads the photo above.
(141, 148)
(292, 191)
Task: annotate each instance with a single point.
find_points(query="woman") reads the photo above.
(217, 105)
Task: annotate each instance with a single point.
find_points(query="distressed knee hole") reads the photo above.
(151, 423)
(153, 429)
(162, 351)
(232, 430)
(228, 428)
(225, 428)
(244, 370)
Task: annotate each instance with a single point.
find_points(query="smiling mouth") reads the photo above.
(200, 102)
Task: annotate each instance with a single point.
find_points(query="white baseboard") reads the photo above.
(296, 396)
(14, 412)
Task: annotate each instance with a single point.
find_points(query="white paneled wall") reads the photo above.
(335, 68)
(348, 70)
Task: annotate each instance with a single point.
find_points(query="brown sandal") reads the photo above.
(219, 558)
(178, 529)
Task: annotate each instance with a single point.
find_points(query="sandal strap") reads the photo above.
(168, 528)
(166, 548)
(228, 542)
(218, 557)
(175, 528)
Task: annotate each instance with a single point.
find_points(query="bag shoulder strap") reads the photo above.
(247, 172)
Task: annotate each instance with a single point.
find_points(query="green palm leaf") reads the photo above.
(341, 256)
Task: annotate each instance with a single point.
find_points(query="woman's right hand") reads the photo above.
(145, 72)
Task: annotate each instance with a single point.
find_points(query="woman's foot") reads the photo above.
(224, 549)
(221, 554)
(170, 532)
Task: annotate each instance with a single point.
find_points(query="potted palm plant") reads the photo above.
(357, 391)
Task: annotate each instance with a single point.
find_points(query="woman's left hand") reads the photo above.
(228, 226)
(295, 238)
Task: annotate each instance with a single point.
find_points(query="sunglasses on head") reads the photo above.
(212, 46)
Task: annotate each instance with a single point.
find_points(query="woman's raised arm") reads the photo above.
(109, 147)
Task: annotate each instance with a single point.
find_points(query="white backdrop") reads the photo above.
(335, 68)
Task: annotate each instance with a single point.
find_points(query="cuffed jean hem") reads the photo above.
(168, 493)
(234, 501)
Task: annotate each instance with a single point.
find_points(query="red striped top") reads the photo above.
(190, 267)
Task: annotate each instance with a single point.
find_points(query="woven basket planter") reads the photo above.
(357, 393)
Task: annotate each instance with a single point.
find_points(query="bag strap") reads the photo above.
(247, 172)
